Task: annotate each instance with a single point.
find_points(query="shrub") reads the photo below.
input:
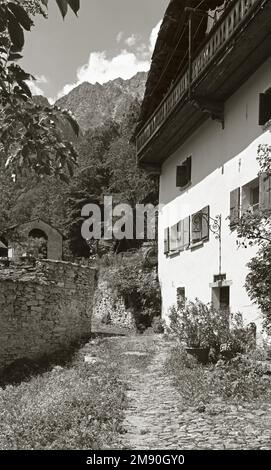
(240, 378)
(190, 378)
(158, 325)
(258, 283)
(201, 326)
(139, 287)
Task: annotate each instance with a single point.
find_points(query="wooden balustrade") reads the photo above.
(219, 36)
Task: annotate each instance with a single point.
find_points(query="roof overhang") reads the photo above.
(238, 44)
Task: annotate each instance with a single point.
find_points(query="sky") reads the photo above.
(108, 39)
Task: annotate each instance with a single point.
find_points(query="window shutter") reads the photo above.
(183, 173)
(181, 179)
(189, 169)
(166, 241)
(173, 238)
(205, 223)
(234, 207)
(180, 236)
(186, 233)
(265, 192)
(264, 108)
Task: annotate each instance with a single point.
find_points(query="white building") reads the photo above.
(202, 139)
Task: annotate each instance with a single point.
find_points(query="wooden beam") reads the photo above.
(207, 105)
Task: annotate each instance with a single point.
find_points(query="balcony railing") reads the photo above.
(222, 32)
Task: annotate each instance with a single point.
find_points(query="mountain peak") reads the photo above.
(92, 104)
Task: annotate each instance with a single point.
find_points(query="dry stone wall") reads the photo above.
(110, 309)
(44, 308)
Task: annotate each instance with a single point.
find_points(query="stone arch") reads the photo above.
(41, 247)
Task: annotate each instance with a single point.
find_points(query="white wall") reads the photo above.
(222, 160)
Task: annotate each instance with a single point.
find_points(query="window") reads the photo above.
(251, 196)
(200, 226)
(265, 192)
(180, 296)
(183, 173)
(255, 198)
(221, 298)
(183, 234)
(265, 107)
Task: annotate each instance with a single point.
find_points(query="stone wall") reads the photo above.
(44, 308)
(109, 308)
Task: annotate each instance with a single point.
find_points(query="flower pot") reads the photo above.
(201, 354)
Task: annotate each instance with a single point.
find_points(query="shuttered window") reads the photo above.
(200, 225)
(265, 108)
(166, 241)
(234, 207)
(265, 192)
(183, 173)
(183, 234)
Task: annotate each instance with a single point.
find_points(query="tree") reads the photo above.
(29, 137)
(254, 228)
(108, 167)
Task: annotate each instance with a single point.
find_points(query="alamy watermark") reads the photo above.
(119, 222)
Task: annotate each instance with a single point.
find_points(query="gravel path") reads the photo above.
(155, 418)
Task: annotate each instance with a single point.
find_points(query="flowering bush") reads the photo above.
(199, 325)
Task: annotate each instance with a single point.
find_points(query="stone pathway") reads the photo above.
(155, 418)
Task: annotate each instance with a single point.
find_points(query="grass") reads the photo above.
(239, 380)
(79, 406)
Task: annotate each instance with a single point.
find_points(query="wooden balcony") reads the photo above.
(235, 47)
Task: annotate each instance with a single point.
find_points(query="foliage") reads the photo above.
(258, 283)
(158, 325)
(30, 137)
(139, 286)
(78, 407)
(240, 378)
(35, 247)
(199, 325)
(254, 228)
(190, 378)
(107, 166)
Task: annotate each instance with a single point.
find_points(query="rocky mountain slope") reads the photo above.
(93, 105)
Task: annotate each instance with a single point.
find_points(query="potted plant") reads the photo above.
(198, 326)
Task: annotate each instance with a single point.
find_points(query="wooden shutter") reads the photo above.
(181, 176)
(205, 223)
(265, 192)
(189, 169)
(184, 173)
(166, 241)
(173, 238)
(234, 207)
(264, 108)
(186, 233)
(180, 236)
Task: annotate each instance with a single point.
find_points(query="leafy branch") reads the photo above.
(30, 137)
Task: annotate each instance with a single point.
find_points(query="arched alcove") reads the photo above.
(38, 241)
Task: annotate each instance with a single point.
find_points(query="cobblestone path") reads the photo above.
(155, 418)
